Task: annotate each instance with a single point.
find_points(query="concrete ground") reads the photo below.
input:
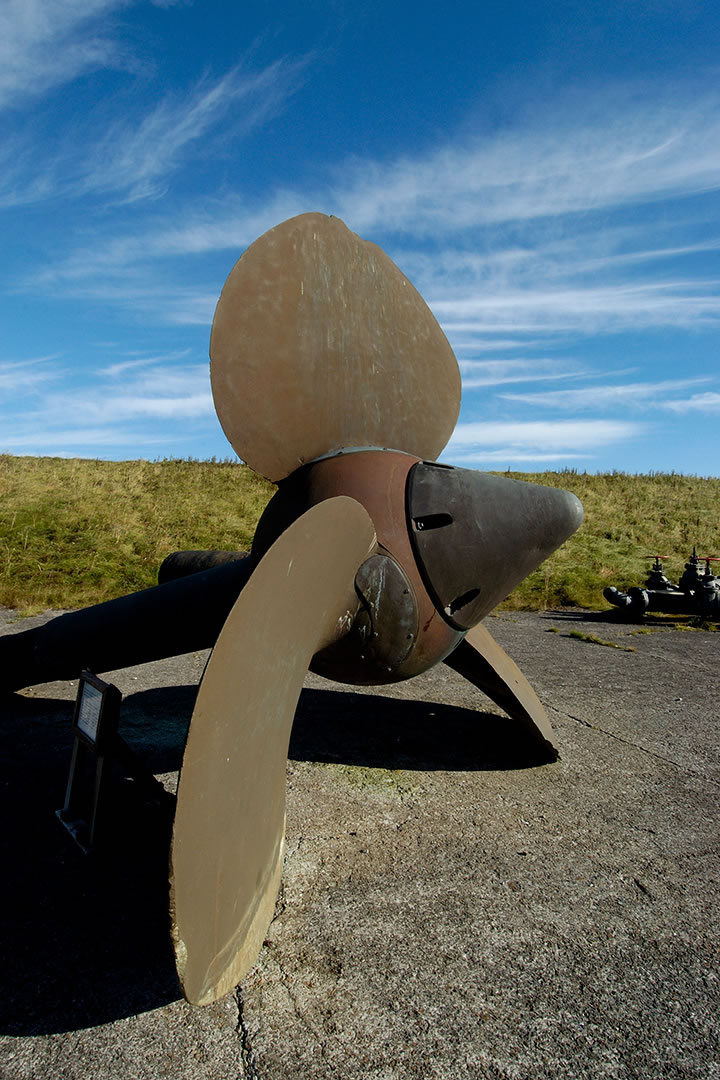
(449, 907)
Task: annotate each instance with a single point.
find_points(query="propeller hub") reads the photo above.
(398, 631)
(452, 543)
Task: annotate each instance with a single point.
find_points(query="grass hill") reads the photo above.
(74, 532)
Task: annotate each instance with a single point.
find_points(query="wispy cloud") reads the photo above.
(478, 373)
(708, 402)
(605, 307)
(125, 404)
(134, 158)
(138, 158)
(618, 260)
(121, 367)
(160, 391)
(133, 140)
(161, 300)
(78, 441)
(119, 258)
(21, 181)
(496, 344)
(565, 163)
(574, 160)
(609, 395)
(476, 442)
(46, 43)
(20, 376)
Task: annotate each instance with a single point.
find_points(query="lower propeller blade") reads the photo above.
(480, 660)
(229, 828)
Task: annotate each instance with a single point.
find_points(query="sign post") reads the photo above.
(95, 721)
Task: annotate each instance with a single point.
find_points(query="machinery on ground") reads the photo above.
(696, 593)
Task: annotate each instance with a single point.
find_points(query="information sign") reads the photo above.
(95, 721)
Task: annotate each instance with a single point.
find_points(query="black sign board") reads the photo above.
(97, 709)
(95, 721)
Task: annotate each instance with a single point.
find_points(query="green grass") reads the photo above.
(593, 639)
(75, 532)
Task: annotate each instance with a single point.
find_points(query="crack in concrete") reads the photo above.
(285, 980)
(694, 663)
(248, 1056)
(635, 746)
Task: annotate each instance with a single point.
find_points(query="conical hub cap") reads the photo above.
(477, 536)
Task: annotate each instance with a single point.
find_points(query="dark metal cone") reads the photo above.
(477, 536)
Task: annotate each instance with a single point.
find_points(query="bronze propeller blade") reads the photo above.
(229, 825)
(481, 661)
(320, 343)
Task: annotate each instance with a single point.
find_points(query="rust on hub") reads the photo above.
(399, 632)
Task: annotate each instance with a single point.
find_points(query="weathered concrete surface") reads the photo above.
(448, 909)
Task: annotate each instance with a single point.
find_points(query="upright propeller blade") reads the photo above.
(229, 825)
(320, 343)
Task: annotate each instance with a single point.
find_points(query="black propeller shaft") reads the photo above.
(179, 616)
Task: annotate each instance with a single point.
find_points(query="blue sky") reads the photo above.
(546, 173)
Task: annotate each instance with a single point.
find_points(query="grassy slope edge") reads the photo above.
(74, 531)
